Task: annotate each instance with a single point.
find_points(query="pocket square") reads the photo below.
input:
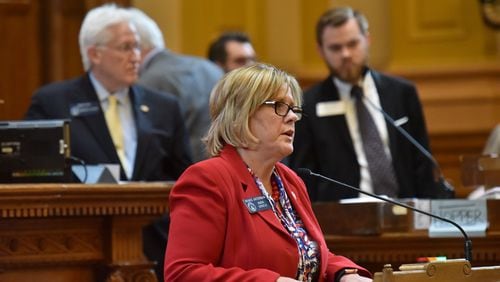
(401, 121)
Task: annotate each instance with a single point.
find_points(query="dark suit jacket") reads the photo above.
(162, 144)
(324, 144)
(214, 237)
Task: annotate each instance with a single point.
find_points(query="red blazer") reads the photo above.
(213, 236)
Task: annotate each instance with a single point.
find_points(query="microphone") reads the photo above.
(445, 186)
(468, 242)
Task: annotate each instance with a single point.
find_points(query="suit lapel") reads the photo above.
(387, 104)
(95, 123)
(336, 125)
(143, 126)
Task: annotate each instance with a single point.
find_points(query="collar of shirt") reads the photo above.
(126, 116)
(102, 94)
(367, 83)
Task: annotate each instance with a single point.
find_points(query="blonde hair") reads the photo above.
(237, 96)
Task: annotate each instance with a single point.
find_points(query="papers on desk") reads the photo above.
(471, 215)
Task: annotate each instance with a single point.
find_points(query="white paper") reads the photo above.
(332, 108)
(471, 215)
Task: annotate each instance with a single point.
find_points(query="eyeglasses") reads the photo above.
(282, 109)
(126, 47)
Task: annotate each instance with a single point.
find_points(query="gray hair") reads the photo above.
(149, 32)
(94, 31)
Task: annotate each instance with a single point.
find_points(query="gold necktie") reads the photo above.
(115, 128)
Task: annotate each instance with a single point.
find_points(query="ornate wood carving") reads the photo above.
(68, 230)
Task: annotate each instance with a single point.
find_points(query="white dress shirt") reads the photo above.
(126, 119)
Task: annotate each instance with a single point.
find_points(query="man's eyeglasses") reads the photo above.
(282, 109)
(125, 47)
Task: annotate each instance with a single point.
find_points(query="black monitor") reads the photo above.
(35, 151)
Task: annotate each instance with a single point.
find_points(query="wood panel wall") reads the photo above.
(20, 71)
(443, 46)
(39, 45)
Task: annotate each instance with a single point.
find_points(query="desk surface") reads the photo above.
(405, 246)
(70, 232)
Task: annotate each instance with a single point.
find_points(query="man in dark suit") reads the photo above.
(189, 78)
(153, 143)
(329, 139)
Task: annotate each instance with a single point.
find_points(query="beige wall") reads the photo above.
(443, 46)
(407, 34)
(418, 39)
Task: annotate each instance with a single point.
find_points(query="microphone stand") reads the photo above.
(468, 242)
(438, 174)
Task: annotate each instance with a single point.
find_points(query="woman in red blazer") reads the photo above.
(242, 215)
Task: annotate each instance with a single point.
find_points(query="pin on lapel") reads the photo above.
(144, 108)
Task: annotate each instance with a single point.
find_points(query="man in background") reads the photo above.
(113, 120)
(188, 78)
(232, 50)
(344, 134)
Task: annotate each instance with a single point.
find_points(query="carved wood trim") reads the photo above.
(69, 200)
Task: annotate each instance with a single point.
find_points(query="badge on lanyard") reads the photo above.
(257, 204)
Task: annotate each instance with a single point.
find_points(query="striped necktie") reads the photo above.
(379, 165)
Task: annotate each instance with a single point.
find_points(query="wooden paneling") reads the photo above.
(375, 243)
(20, 55)
(39, 46)
(438, 33)
(77, 232)
(443, 46)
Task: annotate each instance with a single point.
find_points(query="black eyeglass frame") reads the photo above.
(278, 105)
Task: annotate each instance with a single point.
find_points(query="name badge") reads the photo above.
(257, 204)
(332, 108)
(84, 109)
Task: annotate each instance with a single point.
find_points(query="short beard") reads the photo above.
(351, 78)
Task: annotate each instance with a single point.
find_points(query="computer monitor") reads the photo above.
(35, 151)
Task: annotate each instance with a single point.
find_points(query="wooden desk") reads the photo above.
(405, 246)
(75, 232)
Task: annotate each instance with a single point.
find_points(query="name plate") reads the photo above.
(471, 215)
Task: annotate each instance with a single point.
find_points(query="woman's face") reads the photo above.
(275, 132)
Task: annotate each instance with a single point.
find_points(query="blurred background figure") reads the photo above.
(232, 50)
(114, 120)
(189, 78)
(344, 134)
